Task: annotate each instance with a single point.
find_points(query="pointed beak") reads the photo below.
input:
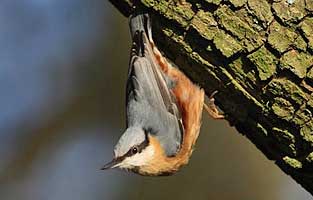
(111, 164)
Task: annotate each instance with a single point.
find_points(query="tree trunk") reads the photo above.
(258, 55)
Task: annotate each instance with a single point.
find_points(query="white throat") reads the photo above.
(138, 159)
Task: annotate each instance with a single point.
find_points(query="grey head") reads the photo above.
(132, 150)
(133, 137)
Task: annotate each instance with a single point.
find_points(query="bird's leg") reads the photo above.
(212, 109)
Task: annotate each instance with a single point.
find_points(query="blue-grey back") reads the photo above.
(150, 103)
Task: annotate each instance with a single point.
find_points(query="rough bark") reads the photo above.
(259, 55)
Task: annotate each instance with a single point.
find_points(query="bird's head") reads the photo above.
(133, 151)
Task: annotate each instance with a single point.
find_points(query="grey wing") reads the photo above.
(141, 34)
(150, 103)
(146, 108)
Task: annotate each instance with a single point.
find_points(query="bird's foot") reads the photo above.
(212, 109)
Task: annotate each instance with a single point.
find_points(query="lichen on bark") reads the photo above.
(259, 55)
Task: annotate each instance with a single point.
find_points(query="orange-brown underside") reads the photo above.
(190, 99)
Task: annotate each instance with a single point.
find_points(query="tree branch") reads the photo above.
(258, 55)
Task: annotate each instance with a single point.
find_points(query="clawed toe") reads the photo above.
(212, 109)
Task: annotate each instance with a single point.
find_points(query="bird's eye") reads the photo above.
(134, 150)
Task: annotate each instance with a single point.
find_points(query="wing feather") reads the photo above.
(150, 102)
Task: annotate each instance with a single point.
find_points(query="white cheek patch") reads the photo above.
(138, 159)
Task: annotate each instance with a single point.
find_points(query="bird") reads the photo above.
(164, 109)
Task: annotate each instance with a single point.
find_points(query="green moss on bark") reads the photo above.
(261, 9)
(290, 13)
(286, 89)
(309, 5)
(249, 38)
(216, 2)
(238, 3)
(265, 63)
(307, 29)
(205, 24)
(292, 162)
(285, 137)
(283, 108)
(280, 37)
(226, 44)
(307, 133)
(172, 11)
(296, 62)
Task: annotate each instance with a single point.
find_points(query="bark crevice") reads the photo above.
(260, 60)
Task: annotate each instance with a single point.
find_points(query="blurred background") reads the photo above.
(63, 67)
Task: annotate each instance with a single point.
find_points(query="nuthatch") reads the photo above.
(164, 110)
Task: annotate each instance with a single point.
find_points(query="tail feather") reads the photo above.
(140, 22)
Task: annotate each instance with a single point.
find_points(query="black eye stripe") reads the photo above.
(139, 147)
